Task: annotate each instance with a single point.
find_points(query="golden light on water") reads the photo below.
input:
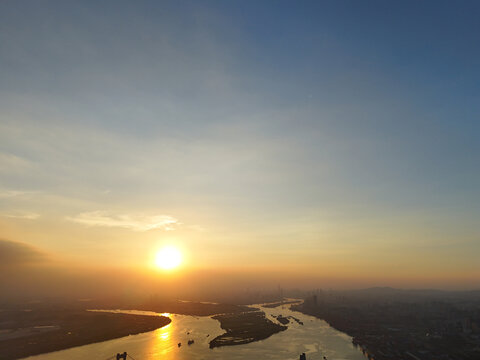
(164, 332)
(168, 258)
(164, 345)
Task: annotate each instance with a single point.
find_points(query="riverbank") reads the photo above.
(280, 303)
(192, 308)
(244, 328)
(37, 332)
(315, 338)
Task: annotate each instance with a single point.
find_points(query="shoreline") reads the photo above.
(72, 329)
(43, 331)
(244, 328)
(280, 303)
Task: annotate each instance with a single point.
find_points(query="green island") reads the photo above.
(244, 328)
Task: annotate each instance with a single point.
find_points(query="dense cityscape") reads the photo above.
(390, 324)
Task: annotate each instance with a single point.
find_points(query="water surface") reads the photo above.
(315, 337)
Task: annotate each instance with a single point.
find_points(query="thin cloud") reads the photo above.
(136, 222)
(12, 162)
(197, 228)
(21, 215)
(12, 193)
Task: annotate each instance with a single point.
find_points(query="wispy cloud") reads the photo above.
(12, 193)
(197, 228)
(136, 222)
(11, 162)
(21, 215)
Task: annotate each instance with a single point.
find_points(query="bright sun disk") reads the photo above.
(168, 258)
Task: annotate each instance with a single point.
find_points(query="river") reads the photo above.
(315, 338)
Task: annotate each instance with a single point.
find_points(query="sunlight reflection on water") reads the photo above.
(315, 337)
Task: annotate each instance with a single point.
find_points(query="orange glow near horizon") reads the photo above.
(168, 258)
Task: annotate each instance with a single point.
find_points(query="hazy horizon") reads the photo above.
(309, 145)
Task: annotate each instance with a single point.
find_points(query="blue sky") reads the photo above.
(330, 128)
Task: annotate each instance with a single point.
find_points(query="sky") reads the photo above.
(334, 141)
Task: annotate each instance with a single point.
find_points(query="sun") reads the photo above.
(168, 258)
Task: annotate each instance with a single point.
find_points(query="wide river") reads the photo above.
(315, 338)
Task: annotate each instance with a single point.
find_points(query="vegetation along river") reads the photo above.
(304, 334)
